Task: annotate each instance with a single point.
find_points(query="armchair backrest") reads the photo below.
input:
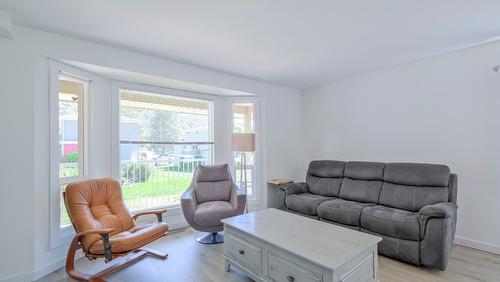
(212, 183)
(97, 204)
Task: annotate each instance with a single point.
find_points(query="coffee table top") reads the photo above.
(322, 243)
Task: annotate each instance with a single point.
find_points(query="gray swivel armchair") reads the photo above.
(212, 196)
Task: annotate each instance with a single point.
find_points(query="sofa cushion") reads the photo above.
(342, 211)
(330, 169)
(427, 175)
(340, 224)
(329, 187)
(360, 190)
(305, 203)
(364, 170)
(412, 186)
(405, 250)
(211, 213)
(324, 177)
(391, 222)
(411, 198)
(362, 181)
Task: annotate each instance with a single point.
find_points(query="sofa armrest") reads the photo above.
(238, 198)
(294, 188)
(437, 231)
(439, 210)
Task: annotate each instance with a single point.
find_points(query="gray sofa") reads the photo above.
(411, 206)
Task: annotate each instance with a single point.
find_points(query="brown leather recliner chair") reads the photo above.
(105, 228)
(212, 196)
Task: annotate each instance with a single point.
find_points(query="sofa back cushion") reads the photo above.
(411, 186)
(362, 181)
(325, 177)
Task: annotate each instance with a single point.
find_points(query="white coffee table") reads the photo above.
(273, 245)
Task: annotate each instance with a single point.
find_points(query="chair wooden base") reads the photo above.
(120, 263)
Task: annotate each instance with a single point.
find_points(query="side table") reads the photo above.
(275, 193)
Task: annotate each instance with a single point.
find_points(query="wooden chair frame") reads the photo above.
(125, 258)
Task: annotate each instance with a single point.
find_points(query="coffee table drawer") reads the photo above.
(245, 253)
(282, 270)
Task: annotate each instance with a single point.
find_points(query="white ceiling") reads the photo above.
(296, 43)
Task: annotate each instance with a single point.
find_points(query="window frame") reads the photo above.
(61, 236)
(117, 86)
(256, 198)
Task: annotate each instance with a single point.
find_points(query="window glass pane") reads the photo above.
(162, 140)
(70, 123)
(243, 122)
(70, 126)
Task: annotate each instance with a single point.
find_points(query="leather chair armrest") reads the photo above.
(294, 188)
(104, 231)
(439, 210)
(159, 214)
(104, 237)
(238, 198)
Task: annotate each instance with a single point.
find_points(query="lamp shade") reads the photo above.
(243, 142)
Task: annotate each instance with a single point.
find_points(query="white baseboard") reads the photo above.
(478, 245)
(49, 268)
(21, 277)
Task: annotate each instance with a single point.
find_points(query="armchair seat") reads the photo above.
(131, 239)
(211, 213)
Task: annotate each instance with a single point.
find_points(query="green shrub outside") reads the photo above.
(138, 172)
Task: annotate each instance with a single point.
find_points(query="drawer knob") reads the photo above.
(290, 278)
(241, 252)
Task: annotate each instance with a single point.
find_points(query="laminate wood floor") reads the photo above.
(190, 261)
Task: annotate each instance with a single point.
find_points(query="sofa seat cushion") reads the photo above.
(211, 213)
(342, 211)
(131, 239)
(391, 222)
(305, 203)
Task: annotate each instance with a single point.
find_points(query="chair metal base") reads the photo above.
(210, 238)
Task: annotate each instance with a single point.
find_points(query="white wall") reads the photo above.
(16, 160)
(24, 111)
(441, 110)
